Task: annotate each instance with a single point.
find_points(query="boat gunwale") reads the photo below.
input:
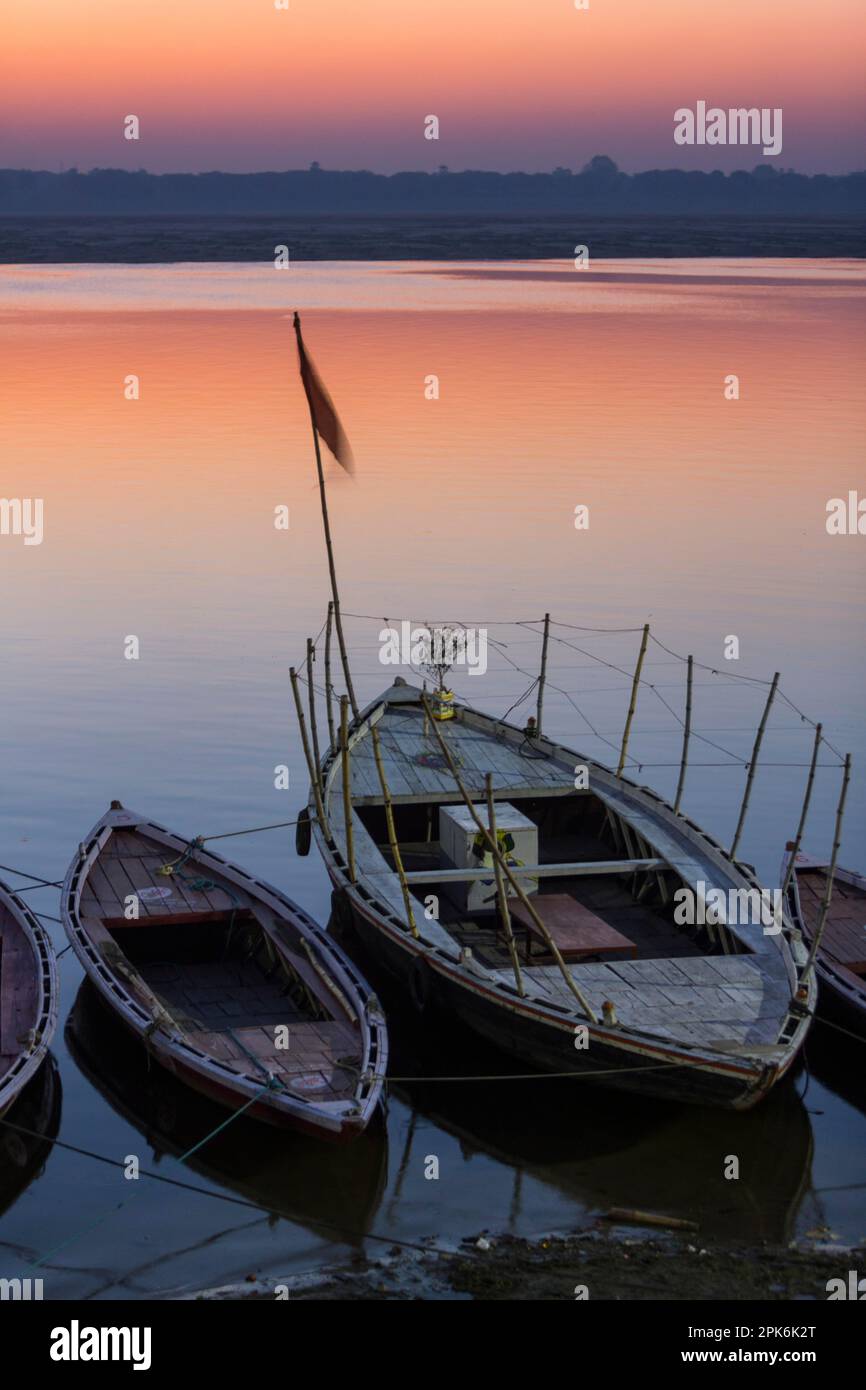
(26, 1065)
(848, 984)
(335, 1117)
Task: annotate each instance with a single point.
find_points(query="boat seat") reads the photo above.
(577, 931)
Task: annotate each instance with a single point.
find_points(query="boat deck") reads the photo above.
(844, 936)
(230, 1009)
(709, 1001)
(416, 770)
(130, 863)
(672, 989)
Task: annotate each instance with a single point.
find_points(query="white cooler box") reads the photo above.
(457, 837)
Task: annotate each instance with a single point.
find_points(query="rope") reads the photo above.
(38, 882)
(92, 1225)
(285, 1213)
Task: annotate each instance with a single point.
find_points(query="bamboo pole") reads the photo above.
(506, 869)
(500, 890)
(828, 891)
(795, 847)
(543, 675)
(753, 763)
(347, 785)
(314, 780)
(687, 729)
(392, 832)
(329, 688)
(311, 696)
(634, 690)
(326, 523)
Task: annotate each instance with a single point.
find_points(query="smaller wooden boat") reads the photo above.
(28, 995)
(841, 959)
(229, 984)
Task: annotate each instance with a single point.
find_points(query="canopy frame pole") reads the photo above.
(543, 675)
(634, 689)
(831, 872)
(347, 785)
(311, 768)
(392, 831)
(329, 688)
(311, 698)
(687, 729)
(500, 890)
(753, 766)
(796, 842)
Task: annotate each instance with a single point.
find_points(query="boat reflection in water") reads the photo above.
(600, 1148)
(333, 1191)
(23, 1155)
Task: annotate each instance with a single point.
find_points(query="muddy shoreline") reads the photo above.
(588, 1264)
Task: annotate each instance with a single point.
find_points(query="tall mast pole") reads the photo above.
(323, 497)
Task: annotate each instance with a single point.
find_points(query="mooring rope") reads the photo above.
(92, 1225)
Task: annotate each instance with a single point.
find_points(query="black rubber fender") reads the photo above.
(303, 833)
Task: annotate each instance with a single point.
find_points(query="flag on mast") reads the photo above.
(326, 421)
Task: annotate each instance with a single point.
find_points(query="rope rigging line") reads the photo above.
(531, 625)
(182, 1158)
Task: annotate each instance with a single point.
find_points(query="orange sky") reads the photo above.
(236, 84)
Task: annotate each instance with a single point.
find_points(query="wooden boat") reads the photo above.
(712, 1014)
(28, 995)
(841, 956)
(213, 969)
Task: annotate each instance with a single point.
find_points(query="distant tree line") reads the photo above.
(599, 188)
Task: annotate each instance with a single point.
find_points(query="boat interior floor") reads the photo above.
(18, 991)
(229, 1003)
(609, 896)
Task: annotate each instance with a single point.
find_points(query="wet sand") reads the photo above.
(589, 1264)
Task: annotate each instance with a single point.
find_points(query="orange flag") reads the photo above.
(325, 418)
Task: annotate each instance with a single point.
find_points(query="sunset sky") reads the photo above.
(240, 85)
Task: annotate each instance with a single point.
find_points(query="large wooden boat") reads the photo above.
(28, 995)
(841, 957)
(229, 984)
(709, 1013)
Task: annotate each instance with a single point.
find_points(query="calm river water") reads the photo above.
(557, 389)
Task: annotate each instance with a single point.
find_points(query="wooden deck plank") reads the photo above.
(110, 905)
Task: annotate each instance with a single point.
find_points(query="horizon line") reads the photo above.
(444, 171)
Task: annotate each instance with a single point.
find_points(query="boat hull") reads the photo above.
(525, 1034)
(232, 1098)
(841, 993)
(33, 977)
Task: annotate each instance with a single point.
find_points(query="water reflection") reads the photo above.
(600, 1148)
(329, 1189)
(24, 1149)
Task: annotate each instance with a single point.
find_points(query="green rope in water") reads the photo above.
(92, 1225)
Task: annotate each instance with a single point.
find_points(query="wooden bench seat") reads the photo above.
(577, 931)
